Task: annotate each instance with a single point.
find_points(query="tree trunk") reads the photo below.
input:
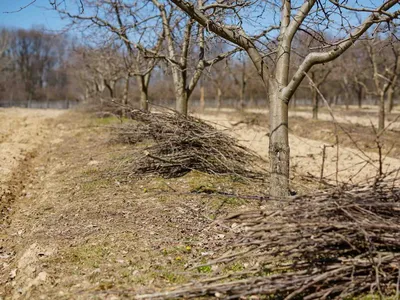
(202, 100)
(30, 100)
(125, 96)
(219, 100)
(279, 151)
(144, 93)
(381, 122)
(182, 102)
(390, 93)
(360, 96)
(242, 91)
(315, 104)
(251, 103)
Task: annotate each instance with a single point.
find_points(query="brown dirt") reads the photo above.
(351, 135)
(82, 230)
(307, 138)
(76, 227)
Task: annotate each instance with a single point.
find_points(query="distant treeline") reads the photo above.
(43, 66)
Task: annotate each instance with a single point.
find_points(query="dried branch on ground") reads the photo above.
(179, 144)
(333, 244)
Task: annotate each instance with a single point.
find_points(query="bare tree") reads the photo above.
(226, 21)
(318, 77)
(179, 51)
(384, 70)
(129, 23)
(4, 46)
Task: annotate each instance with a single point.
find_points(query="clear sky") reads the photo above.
(37, 14)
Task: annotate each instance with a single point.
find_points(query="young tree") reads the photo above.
(180, 52)
(132, 24)
(228, 20)
(384, 71)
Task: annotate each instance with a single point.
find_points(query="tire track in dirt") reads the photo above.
(24, 133)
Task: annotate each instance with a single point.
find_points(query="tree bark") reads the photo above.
(182, 101)
(202, 100)
(126, 92)
(243, 86)
(390, 104)
(360, 96)
(143, 83)
(125, 96)
(219, 98)
(242, 92)
(279, 151)
(381, 121)
(315, 101)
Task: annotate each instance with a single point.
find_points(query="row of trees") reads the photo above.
(269, 32)
(39, 65)
(289, 43)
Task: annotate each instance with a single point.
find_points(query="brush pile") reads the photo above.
(177, 144)
(337, 244)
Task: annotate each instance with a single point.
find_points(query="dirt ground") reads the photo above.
(358, 158)
(73, 226)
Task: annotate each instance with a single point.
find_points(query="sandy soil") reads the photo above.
(353, 116)
(21, 132)
(75, 228)
(306, 154)
(364, 120)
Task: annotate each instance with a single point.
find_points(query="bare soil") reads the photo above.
(77, 228)
(74, 226)
(358, 152)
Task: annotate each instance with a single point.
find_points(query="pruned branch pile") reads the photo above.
(179, 144)
(331, 245)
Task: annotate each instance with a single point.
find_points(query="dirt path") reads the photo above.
(306, 154)
(22, 133)
(78, 229)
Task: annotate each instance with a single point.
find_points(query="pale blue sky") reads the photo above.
(37, 14)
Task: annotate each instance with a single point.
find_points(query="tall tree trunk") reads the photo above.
(390, 104)
(219, 98)
(241, 100)
(381, 121)
(47, 100)
(144, 94)
(360, 96)
(182, 102)
(30, 100)
(279, 151)
(315, 103)
(202, 100)
(251, 103)
(125, 96)
(243, 87)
